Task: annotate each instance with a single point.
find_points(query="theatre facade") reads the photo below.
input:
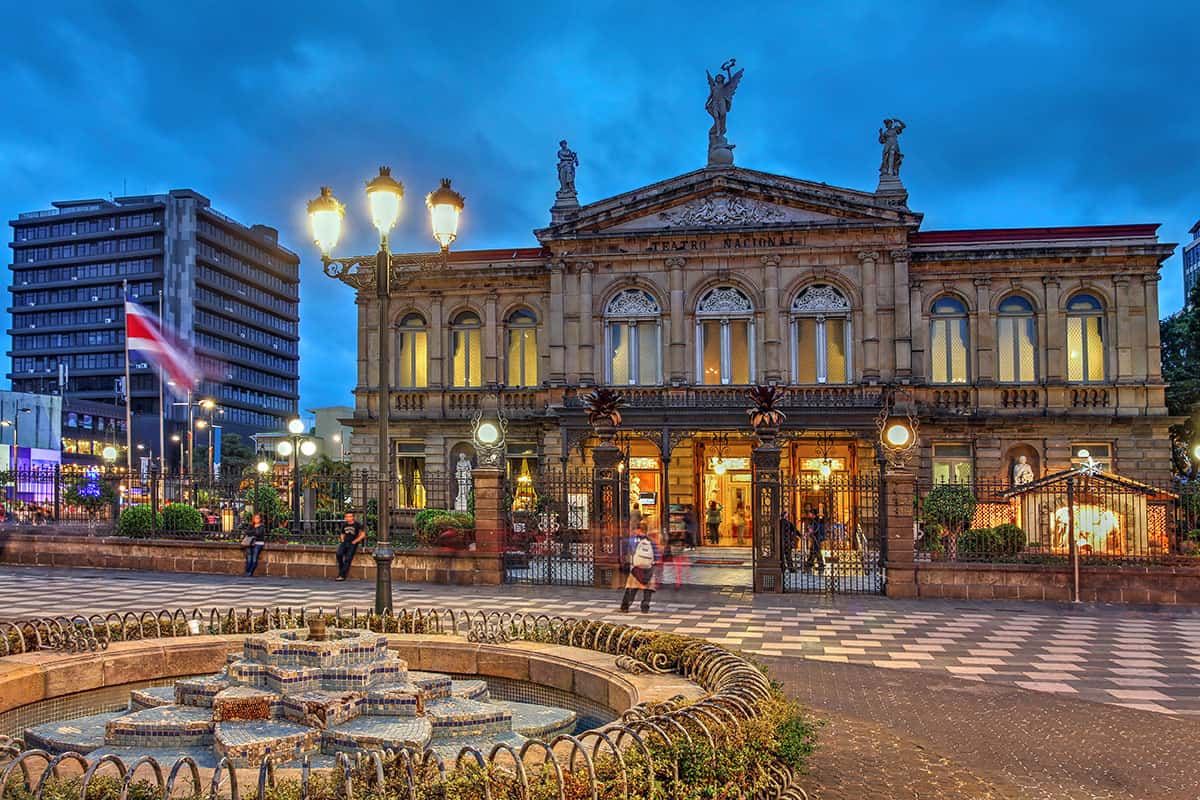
(1010, 347)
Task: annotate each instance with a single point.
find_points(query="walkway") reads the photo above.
(1149, 660)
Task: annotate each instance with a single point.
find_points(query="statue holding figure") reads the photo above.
(1022, 473)
(720, 100)
(463, 477)
(568, 161)
(889, 137)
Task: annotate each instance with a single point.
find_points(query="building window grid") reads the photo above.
(411, 367)
(1016, 327)
(953, 462)
(522, 358)
(821, 315)
(725, 333)
(249, 313)
(949, 342)
(465, 350)
(632, 339)
(1086, 356)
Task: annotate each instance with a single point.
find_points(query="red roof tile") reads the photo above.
(1035, 234)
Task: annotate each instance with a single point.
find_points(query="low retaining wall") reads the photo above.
(56, 549)
(1158, 584)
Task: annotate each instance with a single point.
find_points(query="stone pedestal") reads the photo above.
(720, 152)
(764, 461)
(891, 191)
(566, 205)
(899, 488)
(490, 522)
(606, 504)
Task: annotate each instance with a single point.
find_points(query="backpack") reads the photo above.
(643, 556)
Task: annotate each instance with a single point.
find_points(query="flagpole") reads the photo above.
(162, 438)
(128, 388)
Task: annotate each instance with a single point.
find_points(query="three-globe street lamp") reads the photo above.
(382, 271)
(295, 446)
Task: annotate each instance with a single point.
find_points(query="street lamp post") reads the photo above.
(14, 462)
(384, 194)
(295, 446)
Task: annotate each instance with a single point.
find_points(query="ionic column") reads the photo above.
(554, 325)
(491, 336)
(1153, 342)
(435, 339)
(984, 336)
(903, 322)
(1053, 331)
(870, 289)
(772, 337)
(677, 335)
(917, 328)
(587, 325)
(1122, 330)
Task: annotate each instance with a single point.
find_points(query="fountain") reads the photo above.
(296, 694)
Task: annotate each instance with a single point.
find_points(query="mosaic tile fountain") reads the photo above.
(298, 693)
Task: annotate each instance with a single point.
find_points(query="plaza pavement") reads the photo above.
(1143, 659)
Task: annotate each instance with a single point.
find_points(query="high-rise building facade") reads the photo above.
(1191, 263)
(230, 291)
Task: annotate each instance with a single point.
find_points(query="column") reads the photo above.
(1122, 332)
(490, 525)
(554, 325)
(896, 492)
(984, 335)
(903, 321)
(917, 328)
(492, 334)
(677, 335)
(1053, 331)
(572, 320)
(435, 340)
(587, 325)
(870, 289)
(772, 336)
(764, 462)
(1153, 340)
(364, 339)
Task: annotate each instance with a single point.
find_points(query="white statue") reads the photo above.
(462, 473)
(567, 163)
(889, 137)
(1022, 473)
(720, 99)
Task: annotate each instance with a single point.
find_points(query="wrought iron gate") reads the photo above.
(548, 539)
(839, 549)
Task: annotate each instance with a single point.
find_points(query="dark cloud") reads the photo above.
(1019, 113)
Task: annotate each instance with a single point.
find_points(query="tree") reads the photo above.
(1180, 335)
(236, 454)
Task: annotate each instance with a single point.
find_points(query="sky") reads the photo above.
(1018, 113)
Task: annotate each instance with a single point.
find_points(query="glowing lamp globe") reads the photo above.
(897, 434)
(383, 195)
(308, 447)
(325, 215)
(284, 449)
(109, 453)
(262, 467)
(445, 208)
(825, 469)
(487, 433)
(1084, 454)
(719, 466)
(1196, 452)
(296, 426)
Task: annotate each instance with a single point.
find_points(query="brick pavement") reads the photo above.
(1149, 660)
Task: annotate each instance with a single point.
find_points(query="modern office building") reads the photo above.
(228, 290)
(1191, 263)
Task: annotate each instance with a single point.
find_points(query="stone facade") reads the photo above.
(1034, 341)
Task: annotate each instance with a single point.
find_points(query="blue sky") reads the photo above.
(1018, 113)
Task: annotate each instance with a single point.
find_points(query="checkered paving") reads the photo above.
(1144, 660)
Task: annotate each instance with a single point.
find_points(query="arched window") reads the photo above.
(412, 359)
(725, 333)
(948, 341)
(1017, 343)
(465, 353)
(1085, 339)
(632, 339)
(821, 336)
(522, 349)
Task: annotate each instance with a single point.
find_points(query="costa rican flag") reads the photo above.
(144, 333)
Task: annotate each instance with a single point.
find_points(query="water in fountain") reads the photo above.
(294, 694)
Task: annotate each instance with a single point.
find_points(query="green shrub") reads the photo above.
(182, 518)
(138, 522)
(1193, 535)
(951, 505)
(931, 540)
(423, 519)
(979, 541)
(1012, 538)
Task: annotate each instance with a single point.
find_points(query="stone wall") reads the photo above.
(429, 565)
(1157, 584)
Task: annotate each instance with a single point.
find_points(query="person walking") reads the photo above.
(787, 541)
(739, 523)
(675, 556)
(816, 538)
(712, 521)
(253, 543)
(691, 527)
(353, 534)
(641, 572)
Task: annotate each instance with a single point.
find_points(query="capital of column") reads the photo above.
(674, 262)
(983, 283)
(1120, 281)
(898, 255)
(1151, 277)
(868, 255)
(557, 265)
(583, 266)
(770, 260)
(1051, 281)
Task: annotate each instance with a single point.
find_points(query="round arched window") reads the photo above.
(1085, 339)
(948, 341)
(725, 333)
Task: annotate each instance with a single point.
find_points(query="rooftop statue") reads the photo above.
(720, 100)
(889, 137)
(567, 162)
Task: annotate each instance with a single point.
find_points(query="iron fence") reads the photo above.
(838, 545)
(548, 537)
(1101, 518)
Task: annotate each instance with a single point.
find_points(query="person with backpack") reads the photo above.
(641, 571)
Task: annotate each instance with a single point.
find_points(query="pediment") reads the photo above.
(727, 199)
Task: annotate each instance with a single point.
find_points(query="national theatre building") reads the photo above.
(1035, 342)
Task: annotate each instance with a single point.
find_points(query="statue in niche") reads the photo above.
(568, 161)
(1022, 473)
(889, 137)
(463, 476)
